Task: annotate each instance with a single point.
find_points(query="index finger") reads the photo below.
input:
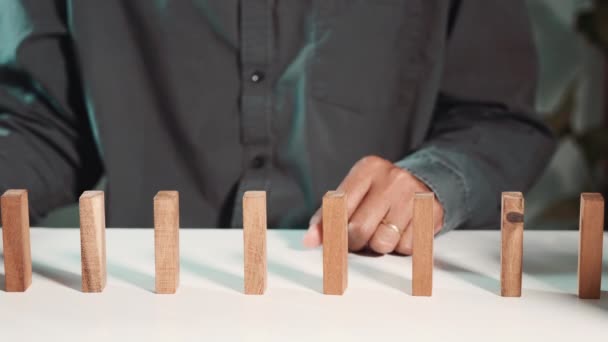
(355, 185)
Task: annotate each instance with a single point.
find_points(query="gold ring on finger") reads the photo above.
(392, 226)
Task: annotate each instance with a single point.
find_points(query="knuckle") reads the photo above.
(398, 176)
(358, 228)
(370, 161)
(357, 232)
(386, 201)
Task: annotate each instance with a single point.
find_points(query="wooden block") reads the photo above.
(591, 227)
(93, 241)
(424, 232)
(254, 240)
(512, 231)
(335, 243)
(166, 241)
(16, 239)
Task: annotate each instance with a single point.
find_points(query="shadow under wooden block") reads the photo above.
(66, 278)
(220, 277)
(130, 275)
(395, 281)
(602, 302)
(60, 276)
(296, 276)
(475, 278)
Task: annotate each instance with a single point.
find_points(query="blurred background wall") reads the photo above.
(572, 97)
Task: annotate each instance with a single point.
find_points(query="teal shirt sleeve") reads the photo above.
(473, 154)
(445, 179)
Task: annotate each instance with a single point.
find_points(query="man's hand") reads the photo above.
(380, 200)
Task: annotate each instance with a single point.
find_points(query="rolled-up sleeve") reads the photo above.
(485, 137)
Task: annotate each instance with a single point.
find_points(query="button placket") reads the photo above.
(256, 98)
(257, 77)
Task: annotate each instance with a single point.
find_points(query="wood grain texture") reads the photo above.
(166, 241)
(16, 241)
(335, 243)
(512, 241)
(422, 247)
(93, 241)
(591, 226)
(254, 241)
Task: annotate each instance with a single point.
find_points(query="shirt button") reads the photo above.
(258, 162)
(257, 77)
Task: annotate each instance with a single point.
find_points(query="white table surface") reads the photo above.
(210, 305)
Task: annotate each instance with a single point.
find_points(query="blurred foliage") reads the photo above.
(593, 142)
(593, 24)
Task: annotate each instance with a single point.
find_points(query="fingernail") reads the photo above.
(314, 220)
(311, 238)
(309, 230)
(385, 240)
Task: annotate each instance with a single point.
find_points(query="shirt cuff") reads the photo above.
(435, 169)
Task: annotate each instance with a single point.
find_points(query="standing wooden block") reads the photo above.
(335, 243)
(16, 238)
(424, 232)
(512, 230)
(93, 241)
(166, 241)
(591, 227)
(254, 239)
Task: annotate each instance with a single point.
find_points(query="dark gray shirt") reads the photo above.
(212, 98)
